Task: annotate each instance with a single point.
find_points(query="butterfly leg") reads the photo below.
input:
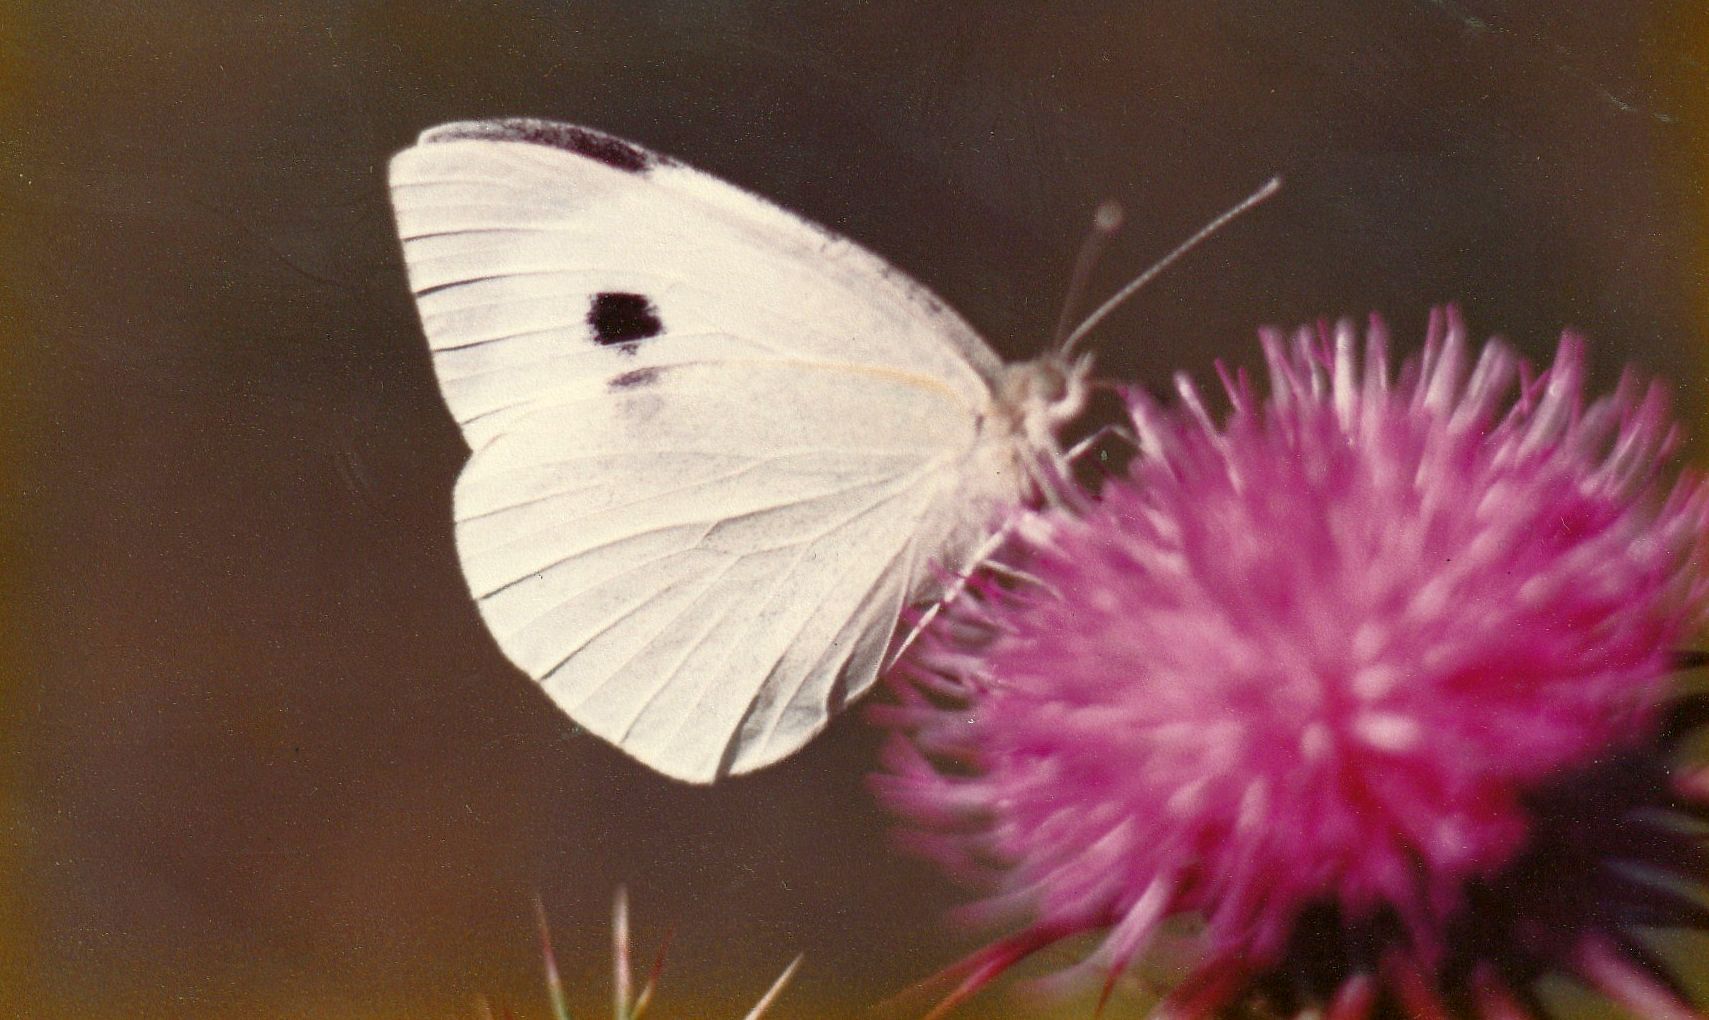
(1054, 473)
(980, 557)
(1050, 478)
(1103, 432)
(997, 566)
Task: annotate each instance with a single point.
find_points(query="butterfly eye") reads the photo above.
(617, 318)
(1051, 382)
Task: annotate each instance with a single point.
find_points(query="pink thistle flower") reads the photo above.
(1365, 676)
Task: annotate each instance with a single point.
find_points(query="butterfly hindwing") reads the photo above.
(694, 583)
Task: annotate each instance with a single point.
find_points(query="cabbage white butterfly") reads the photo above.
(717, 450)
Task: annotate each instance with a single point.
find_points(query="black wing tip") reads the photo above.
(598, 146)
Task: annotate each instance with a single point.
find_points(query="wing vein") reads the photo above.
(775, 589)
(607, 544)
(612, 621)
(783, 704)
(671, 675)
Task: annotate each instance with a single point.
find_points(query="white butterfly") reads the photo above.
(717, 449)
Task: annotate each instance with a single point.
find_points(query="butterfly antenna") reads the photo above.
(1105, 222)
(1269, 188)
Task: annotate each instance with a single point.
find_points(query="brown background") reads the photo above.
(262, 758)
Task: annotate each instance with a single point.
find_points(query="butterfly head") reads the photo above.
(1040, 397)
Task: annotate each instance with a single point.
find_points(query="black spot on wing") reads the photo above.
(618, 318)
(633, 378)
(595, 145)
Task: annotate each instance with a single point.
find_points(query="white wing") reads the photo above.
(543, 253)
(716, 448)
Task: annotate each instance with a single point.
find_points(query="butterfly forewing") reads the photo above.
(521, 252)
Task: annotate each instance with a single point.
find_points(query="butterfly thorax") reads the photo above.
(1033, 403)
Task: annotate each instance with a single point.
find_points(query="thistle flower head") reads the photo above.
(1327, 658)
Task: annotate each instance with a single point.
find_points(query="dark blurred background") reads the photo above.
(260, 756)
